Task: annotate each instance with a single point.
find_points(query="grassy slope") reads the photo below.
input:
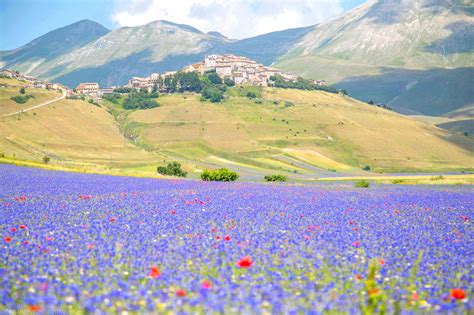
(73, 133)
(310, 137)
(321, 129)
(12, 89)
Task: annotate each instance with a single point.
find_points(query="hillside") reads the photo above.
(11, 88)
(298, 133)
(390, 52)
(73, 133)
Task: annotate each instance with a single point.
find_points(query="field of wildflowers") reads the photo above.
(77, 243)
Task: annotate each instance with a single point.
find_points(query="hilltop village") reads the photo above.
(240, 70)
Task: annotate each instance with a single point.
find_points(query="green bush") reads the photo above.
(134, 101)
(275, 178)
(212, 93)
(251, 94)
(366, 168)
(229, 82)
(22, 90)
(122, 90)
(361, 184)
(46, 159)
(220, 175)
(21, 99)
(172, 169)
(113, 98)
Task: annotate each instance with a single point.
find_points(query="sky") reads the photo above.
(24, 20)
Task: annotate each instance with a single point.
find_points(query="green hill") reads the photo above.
(302, 134)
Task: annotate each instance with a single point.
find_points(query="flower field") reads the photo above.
(77, 243)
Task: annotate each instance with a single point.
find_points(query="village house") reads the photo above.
(88, 88)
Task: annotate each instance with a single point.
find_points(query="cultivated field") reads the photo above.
(80, 244)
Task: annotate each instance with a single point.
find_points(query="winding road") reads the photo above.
(36, 106)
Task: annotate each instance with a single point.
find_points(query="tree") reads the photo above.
(22, 90)
(172, 169)
(229, 82)
(214, 78)
(46, 159)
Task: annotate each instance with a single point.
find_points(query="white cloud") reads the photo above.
(233, 18)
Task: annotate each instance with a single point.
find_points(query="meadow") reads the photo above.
(78, 243)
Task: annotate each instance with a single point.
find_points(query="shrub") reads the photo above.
(398, 181)
(22, 90)
(275, 178)
(172, 169)
(136, 102)
(366, 168)
(113, 98)
(122, 90)
(214, 94)
(361, 184)
(21, 99)
(229, 82)
(46, 159)
(220, 175)
(251, 95)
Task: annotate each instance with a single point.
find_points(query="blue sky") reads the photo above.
(23, 20)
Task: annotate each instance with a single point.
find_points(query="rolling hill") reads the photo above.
(301, 134)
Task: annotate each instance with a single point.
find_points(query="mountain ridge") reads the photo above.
(362, 51)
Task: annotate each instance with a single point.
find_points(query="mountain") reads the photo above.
(158, 46)
(131, 51)
(383, 49)
(416, 56)
(46, 48)
(216, 34)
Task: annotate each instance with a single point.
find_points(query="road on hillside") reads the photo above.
(36, 106)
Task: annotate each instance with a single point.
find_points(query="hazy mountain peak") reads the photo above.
(216, 34)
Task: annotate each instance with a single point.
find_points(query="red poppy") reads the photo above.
(214, 230)
(227, 238)
(22, 227)
(358, 277)
(218, 237)
(173, 211)
(154, 272)
(26, 242)
(206, 284)
(382, 261)
(181, 293)
(245, 262)
(8, 239)
(458, 294)
(356, 244)
(13, 229)
(34, 308)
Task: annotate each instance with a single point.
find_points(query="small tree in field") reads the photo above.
(22, 90)
(46, 159)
